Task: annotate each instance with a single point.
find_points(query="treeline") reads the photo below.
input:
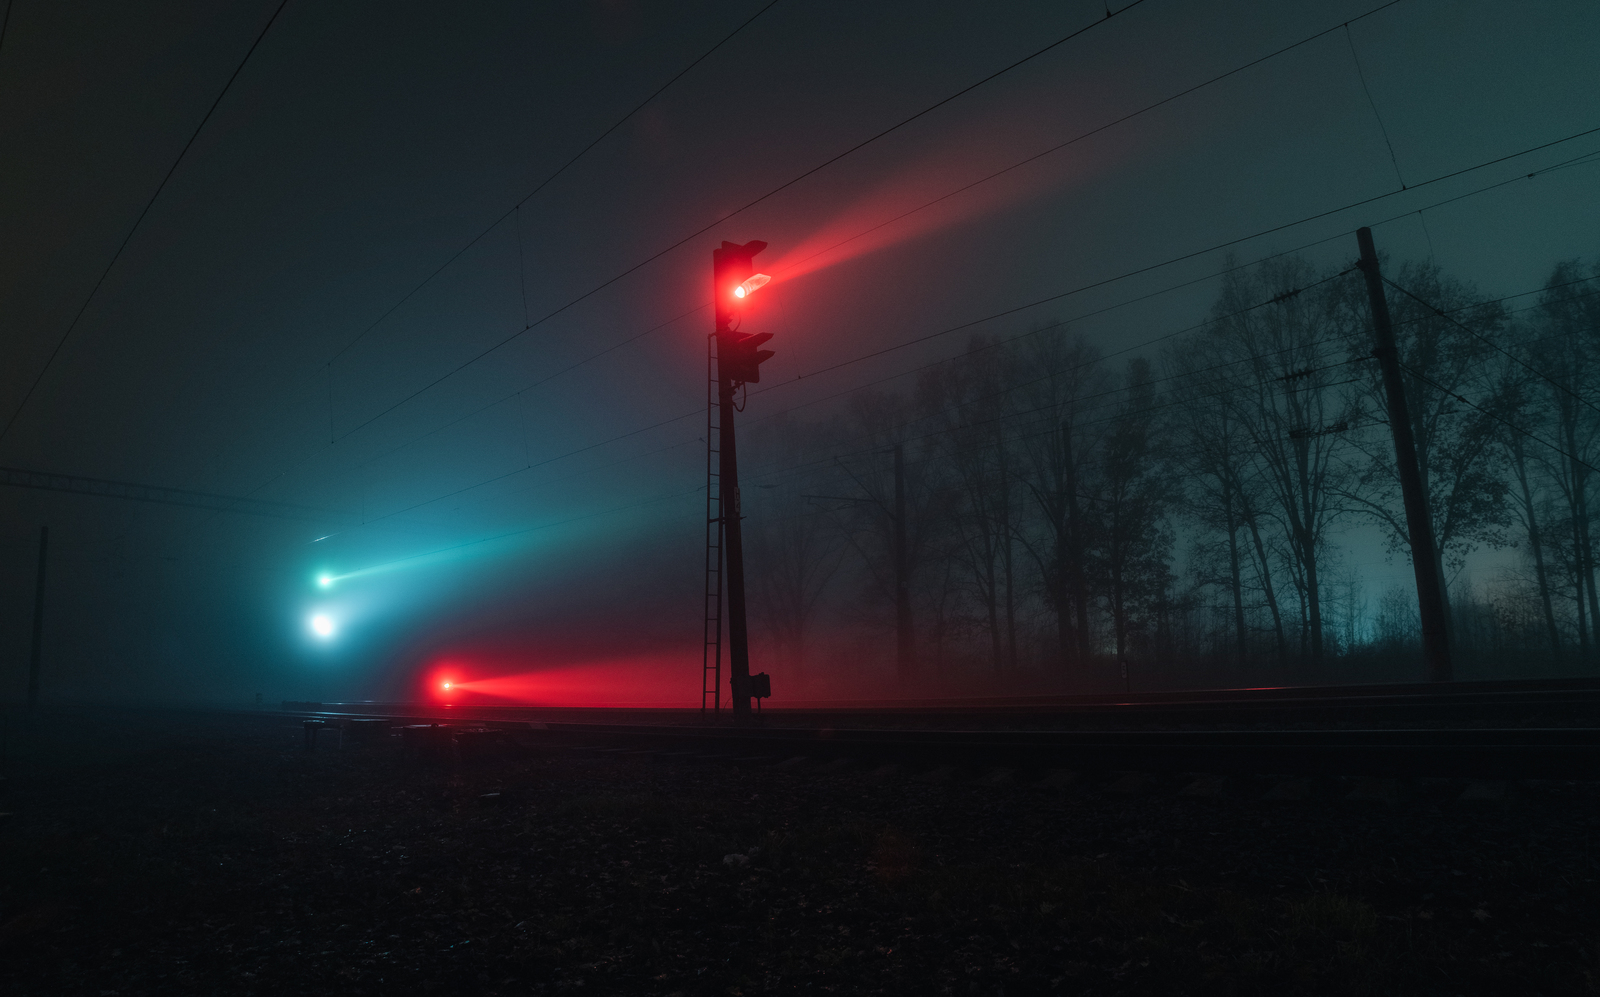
(1065, 518)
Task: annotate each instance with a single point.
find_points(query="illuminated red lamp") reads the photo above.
(732, 271)
(754, 284)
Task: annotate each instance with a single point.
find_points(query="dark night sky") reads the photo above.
(232, 348)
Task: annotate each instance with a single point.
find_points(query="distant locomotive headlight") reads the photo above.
(323, 626)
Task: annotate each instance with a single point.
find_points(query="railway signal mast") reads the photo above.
(737, 362)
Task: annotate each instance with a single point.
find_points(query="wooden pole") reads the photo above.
(1419, 520)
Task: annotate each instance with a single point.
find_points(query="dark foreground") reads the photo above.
(173, 854)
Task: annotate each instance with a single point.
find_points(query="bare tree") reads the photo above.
(1518, 393)
(1218, 464)
(1566, 352)
(861, 492)
(968, 403)
(1061, 443)
(1132, 499)
(795, 551)
(1291, 366)
(1447, 345)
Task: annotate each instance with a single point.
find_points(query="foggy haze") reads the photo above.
(497, 458)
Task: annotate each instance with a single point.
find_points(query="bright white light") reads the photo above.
(755, 283)
(326, 581)
(322, 625)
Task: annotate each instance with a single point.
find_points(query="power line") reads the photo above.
(738, 211)
(1078, 290)
(1045, 300)
(50, 361)
(1504, 422)
(1131, 273)
(1224, 245)
(1097, 130)
(17, 477)
(1492, 344)
(964, 188)
(513, 210)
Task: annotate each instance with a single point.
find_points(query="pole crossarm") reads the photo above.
(75, 484)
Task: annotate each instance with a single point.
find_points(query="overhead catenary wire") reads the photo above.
(587, 448)
(1064, 294)
(1224, 245)
(1498, 418)
(1127, 275)
(1493, 345)
(95, 290)
(685, 240)
(1586, 157)
(966, 187)
(333, 435)
(335, 438)
(1141, 270)
(1081, 136)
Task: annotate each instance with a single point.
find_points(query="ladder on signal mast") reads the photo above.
(711, 662)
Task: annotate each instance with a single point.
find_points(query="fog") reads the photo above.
(481, 414)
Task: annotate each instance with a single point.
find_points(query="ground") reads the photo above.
(189, 853)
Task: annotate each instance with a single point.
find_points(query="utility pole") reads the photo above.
(738, 362)
(1419, 521)
(38, 618)
(733, 541)
(905, 654)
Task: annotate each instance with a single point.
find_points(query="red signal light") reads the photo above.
(733, 274)
(754, 284)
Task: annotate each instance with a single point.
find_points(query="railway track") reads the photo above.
(963, 740)
(1518, 703)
